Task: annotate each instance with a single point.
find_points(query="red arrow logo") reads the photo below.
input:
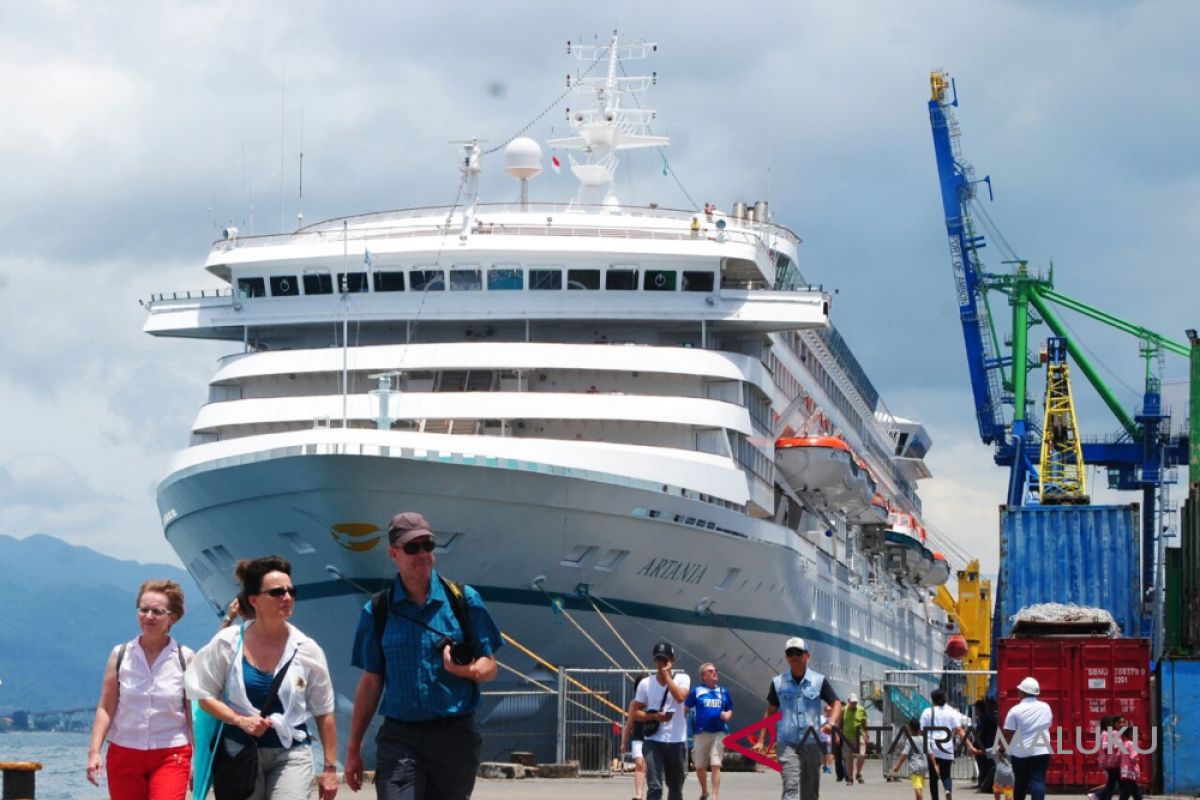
(767, 726)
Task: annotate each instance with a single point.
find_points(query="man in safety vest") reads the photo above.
(800, 694)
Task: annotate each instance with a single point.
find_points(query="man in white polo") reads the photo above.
(1027, 731)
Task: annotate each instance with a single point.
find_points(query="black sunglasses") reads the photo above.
(280, 591)
(412, 548)
(795, 652)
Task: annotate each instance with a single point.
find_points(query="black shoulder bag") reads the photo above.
(235, 762)
(651, 727)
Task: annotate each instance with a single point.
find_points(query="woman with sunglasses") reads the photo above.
(233, 674)
(142, 710)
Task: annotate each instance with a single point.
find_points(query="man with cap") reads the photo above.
(424, 644)
(800, 694)
(1027, 734)
(659, 700)
(854, 739)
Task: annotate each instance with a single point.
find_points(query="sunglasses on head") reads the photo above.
(412, 548)
(280, 591)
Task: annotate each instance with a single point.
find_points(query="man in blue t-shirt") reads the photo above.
(713, 707)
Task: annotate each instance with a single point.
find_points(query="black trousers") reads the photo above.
(1029, 776)
(434, 760)
(666, 764)
(944, 778)
(987, 771)
(1130, 789)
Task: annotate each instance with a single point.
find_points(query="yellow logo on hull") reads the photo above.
(357, 537)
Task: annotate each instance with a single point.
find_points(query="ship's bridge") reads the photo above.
(508, 264)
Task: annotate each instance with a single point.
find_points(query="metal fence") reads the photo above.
(575, 715)
(906, 696)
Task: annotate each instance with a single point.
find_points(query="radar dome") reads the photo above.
(523, 158)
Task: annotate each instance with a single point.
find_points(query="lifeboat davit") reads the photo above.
(876, 513)
(824, 471)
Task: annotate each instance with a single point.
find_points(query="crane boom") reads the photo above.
(958, 187)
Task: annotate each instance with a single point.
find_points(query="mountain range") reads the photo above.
(64, 608)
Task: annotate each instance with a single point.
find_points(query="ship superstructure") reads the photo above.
(584, 398)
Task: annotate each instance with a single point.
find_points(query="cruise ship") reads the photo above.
(636, 416)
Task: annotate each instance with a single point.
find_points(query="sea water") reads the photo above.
(63, 757)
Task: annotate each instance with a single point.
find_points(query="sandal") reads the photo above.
(860, 779)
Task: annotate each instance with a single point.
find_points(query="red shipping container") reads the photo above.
(1083, 679)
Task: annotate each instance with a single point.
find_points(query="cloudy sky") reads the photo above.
(130, 136)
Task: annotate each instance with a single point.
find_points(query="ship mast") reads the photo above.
(607, 128)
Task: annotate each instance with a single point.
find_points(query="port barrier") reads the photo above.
(572, 715)
(905, 695)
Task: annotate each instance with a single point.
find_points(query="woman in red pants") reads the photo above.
(142, 710)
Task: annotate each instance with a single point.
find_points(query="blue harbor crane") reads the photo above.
(1141, 455)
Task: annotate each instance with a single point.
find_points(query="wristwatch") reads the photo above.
(331, 768)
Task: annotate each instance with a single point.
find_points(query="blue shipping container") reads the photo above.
(1179, 685)
(1086, 555)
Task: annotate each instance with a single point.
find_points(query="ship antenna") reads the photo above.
(300, 199)
(607, 128)
(282, 147)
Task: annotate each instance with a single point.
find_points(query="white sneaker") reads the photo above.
(1093, 796)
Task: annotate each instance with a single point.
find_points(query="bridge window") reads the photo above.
(389, 281)
(427, 280)
(583, 279)
(318, 283)
(621, 280)
(545, 279)
(352, 282)
(284, 286)
(504, 279)
(465, 280)
(659, 280)
(697, 281)
(252, 287)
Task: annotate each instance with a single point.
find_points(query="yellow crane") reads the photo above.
(972, 612)
(1061, 475)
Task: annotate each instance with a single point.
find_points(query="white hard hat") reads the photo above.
(1029, 686)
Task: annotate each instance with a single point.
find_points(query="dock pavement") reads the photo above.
(734, 786)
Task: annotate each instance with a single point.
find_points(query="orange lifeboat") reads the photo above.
(825, 471)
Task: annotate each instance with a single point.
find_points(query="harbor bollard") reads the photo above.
(18, 779)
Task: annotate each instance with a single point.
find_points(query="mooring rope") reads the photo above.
(558, 606)
(620, 639)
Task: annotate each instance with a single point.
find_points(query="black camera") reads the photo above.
(461, 653)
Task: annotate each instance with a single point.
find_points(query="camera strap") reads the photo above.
(380, 608)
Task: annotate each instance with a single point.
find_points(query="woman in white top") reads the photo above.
(232, 675)
(142, 710)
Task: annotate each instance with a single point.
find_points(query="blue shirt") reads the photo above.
(709, 703)
(416, 687)
(258, 683)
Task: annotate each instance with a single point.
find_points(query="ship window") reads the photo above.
(545, 279)
(621, 280)
(465, 280)
(284, 286)
(697, 281)
(426, 280)
(583, 279)
(252, 287)
(505, 279)
(389, 281)
(352, 282)
(318, 283)
(659, 280)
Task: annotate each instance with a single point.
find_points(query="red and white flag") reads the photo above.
(554, 162)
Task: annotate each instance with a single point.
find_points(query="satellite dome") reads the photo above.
(523, 158)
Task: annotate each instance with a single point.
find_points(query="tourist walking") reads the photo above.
(854, 739)
(632, 734)
(1131, 768)
(1109, 758)
(264, 679)
(1027, 731)
(143, 712)
(986, 725)
(942, 726)
(424, 645)
(799, 694)
(713, 707)
(659, 704)
(1002, 774)
(915, 751)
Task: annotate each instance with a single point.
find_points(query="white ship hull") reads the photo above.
(503, 527)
